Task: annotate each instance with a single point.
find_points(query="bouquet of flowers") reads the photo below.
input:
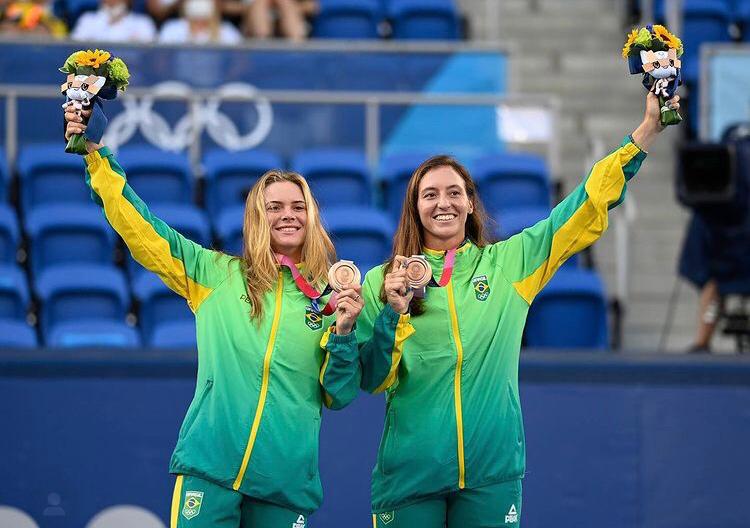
(655, 52)
(92, 76)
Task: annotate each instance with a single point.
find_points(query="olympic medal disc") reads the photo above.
(418, 271)
(343, 274)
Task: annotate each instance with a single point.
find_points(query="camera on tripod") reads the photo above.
(713, 180)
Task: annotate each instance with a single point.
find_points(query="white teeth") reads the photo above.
(445, 217)
(287, 229)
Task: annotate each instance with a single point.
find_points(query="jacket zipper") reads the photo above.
(263, 386)
(457, 386)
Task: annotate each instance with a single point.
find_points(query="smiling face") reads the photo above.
(286, 212)
(443, 205)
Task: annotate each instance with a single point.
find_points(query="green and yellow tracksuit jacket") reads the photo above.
(453, 417)
(254, 421)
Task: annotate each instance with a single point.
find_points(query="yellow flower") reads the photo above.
(629, 42)
(92, 58)
(668, 38)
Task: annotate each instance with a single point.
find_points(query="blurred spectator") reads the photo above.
(260, 17)
(114, 22)
(161, 10)
(200, 24)
(30, 17)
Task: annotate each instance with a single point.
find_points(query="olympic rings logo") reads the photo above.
(139, 115)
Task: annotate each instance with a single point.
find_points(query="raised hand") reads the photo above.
(396, 286)
(75, 123)
(348, 307)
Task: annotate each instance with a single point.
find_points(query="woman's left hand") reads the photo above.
(350, 304)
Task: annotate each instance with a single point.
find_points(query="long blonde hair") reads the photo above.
(259, 263)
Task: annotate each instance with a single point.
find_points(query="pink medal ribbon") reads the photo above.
(445, 277)
(307, 289)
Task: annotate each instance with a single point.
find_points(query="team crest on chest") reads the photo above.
(387, 517)
(313, 319)
(481, 287)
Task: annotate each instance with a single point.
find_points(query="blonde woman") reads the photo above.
(247, 452)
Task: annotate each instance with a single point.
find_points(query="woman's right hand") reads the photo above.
(76, 124)
(396, 286)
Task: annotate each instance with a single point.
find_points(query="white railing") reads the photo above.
(373, 102)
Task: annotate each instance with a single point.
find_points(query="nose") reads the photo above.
(443, 202)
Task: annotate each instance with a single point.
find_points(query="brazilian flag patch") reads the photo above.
(313, 319)
(387, 517)
(192, 507)
(481, 287)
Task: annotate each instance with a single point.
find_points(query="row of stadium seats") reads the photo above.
(79, 234)
(408, 19)
(338, 177)
(354, 19)
(87, 305)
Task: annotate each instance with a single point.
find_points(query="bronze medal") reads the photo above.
(343, 274)
(418, 272)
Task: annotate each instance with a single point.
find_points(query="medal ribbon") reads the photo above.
(445, 277)
(305, 287)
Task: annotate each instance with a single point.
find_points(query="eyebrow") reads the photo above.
(453, 186)
(295, 202)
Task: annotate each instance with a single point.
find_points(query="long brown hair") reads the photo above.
(258, 261)
(409, 238)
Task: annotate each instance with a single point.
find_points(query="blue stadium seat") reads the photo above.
(360, 234)
(61, 234)
(512, 221)
(9, 234)
(158, 176)
(17, 334)
(742, 16)
(76, 292)
(187, 220)
(570, 312)
(512, 179)
(14, 293)
(230, 175)
(48, 175)
(338, 177)
(704, 21)
(93, 333)
(76, 8)
(395, 171)
(174, 334)
(229, 229)
(347, 19)
(157, 304)
(424, 19)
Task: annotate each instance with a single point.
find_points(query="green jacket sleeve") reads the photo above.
(530, 258)
(187, 268)
(381, 333)
(340, 374)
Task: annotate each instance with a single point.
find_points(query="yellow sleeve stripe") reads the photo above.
(603, 187)
(145, 244)
(404, 329)
(327, 399)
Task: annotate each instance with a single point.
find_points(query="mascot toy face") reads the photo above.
(660, 64)
(82, 88)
